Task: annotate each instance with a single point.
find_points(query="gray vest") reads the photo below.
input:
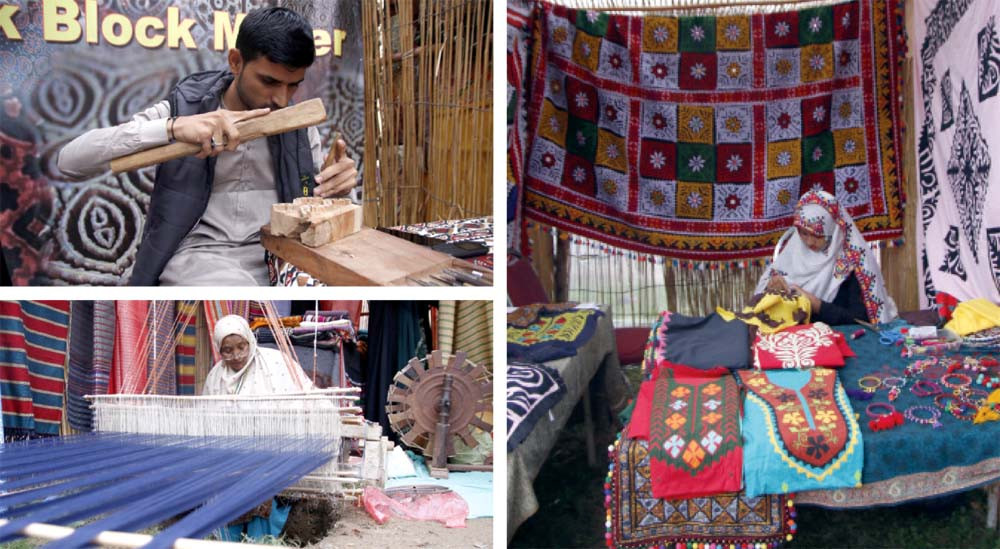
(183, 186)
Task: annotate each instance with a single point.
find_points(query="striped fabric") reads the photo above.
(187, 316)
(33, 349)
(128, 375)
(467, 326)
(80, 375)
(161, 359)
(104, 344)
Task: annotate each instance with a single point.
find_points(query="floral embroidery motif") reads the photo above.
(693, 425)
(797, 349)
(811, 426)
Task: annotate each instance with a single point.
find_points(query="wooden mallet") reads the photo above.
(305, 114)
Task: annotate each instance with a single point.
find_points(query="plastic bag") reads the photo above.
(448, 508)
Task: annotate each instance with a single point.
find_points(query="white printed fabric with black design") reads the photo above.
(958, 110)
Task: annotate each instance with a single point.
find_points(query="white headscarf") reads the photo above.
(265, 373)
(822, 273)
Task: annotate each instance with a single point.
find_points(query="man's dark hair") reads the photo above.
(279, 34)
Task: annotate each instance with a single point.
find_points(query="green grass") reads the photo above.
(571, 513)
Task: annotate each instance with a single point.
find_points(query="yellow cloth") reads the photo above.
(988, 412)
(972, 316)
(773, 312)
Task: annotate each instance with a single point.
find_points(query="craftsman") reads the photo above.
(206, 211)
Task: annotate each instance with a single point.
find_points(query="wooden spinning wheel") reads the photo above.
(438, 399)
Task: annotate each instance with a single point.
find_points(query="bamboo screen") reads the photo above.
(428, 110)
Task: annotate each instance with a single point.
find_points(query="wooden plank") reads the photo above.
(305, 114)
(365, 258)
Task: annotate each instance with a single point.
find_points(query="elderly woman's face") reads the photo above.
(234, 350)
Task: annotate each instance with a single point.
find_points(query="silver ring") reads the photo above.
(215, 143)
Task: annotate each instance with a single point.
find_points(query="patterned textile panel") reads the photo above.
(161, 361)
(799, 432)
(552, 336)
(640, 520)
(693, 137)
(104, 344)
(518, 38)
(691, 418)
(187, 313)
(128, 373)
(956, 85)
(33, 349)
(57, 231)
(532, 390)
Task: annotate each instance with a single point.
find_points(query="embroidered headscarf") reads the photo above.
(822, 273)
(265, 372)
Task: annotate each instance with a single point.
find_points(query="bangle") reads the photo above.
(964, 381)
(954, 407)
(895, 382)
(872, 408)
(170, 128)
(967, 398)
(867, 385)
(911, 414)
(923, 388)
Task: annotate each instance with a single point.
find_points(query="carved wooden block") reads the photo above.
(316, 221)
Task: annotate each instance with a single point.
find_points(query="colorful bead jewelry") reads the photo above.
(923, 388)
(911, 414)
(880, 422)
(955, 407)
(869, 384)
(872, 409)
(963, 381)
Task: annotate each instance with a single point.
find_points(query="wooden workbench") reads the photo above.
(365, 258)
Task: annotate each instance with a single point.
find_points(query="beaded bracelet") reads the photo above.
(911, 414)
(965, 381)
(923, 388)
(871, 409)
(969, 397)
(955, 407)
(869, 388)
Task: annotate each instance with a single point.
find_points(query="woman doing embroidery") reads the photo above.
(824, 257)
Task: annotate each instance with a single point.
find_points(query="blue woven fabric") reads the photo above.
(131, 482)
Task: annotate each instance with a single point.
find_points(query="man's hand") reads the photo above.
(218, 126)
(777, 283)
(339, 177)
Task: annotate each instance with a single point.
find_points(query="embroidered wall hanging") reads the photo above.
(518, 38)
(693, 137)
(692, 421)
(638, 519)
(956, 104)
(799, 432)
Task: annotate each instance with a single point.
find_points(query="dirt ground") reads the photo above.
(357, 529)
